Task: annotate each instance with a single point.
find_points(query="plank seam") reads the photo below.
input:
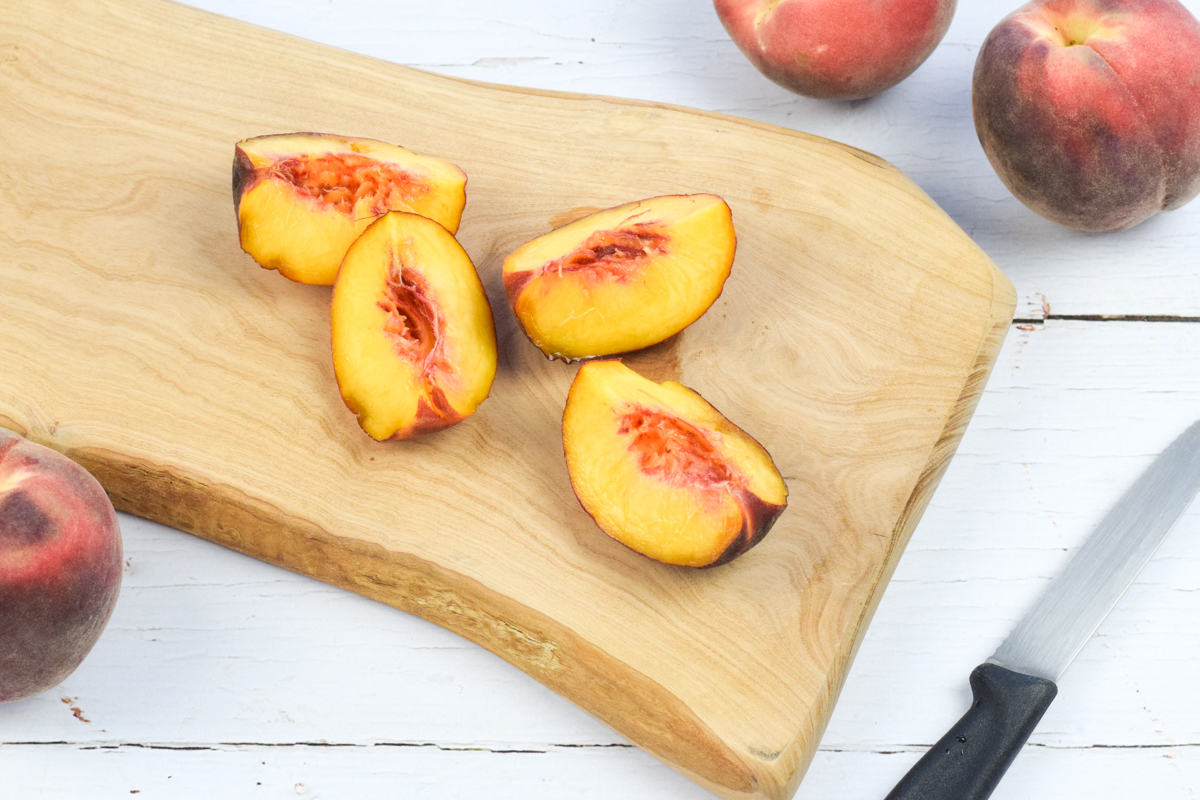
(539, 750)
(920, 748)
(218, 746)
(1105, 318)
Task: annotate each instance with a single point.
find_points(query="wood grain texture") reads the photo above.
(853, 341)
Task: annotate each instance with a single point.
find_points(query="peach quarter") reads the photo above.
(414, 344)
(1089, 110)
(622, 279)
(663, 472)
(302, 198)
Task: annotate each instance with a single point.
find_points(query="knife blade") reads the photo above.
(1013, 688)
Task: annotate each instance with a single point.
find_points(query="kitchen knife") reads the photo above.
(1013, 688)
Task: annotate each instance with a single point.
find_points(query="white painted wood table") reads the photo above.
(220, 676)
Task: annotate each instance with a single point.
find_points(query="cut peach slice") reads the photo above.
(302, 198)
(622, 279)
(663, 472)
(414, 344)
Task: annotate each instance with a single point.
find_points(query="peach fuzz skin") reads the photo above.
(60, 566)
(1089, 110)
(836, 49)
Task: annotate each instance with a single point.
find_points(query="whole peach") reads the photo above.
(60, 566)
(1089, 110)
(836, 49)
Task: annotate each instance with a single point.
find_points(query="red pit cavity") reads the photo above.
(412, 322)
(612, 255)
(343, 180)
(674, 450)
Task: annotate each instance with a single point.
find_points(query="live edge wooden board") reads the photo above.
(853, 340)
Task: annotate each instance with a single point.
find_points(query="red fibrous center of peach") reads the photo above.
(612, 255)
(412, 318)
(673, 450)
(344, 180)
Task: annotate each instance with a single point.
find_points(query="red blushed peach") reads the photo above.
(836, 49)
(60, 566)
(663, 472)
(1089, 110)
(302, 198)
(622, 279)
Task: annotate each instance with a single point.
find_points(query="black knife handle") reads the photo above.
(969, 761)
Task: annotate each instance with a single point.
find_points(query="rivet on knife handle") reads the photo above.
(968, 762)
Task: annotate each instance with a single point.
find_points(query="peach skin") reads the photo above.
(1089, 110)
(836, 49)
(60, 566)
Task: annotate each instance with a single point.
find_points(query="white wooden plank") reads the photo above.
(1170, 773)
(427, 772)
(63, 772)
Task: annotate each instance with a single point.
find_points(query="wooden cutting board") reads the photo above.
(853, 340)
